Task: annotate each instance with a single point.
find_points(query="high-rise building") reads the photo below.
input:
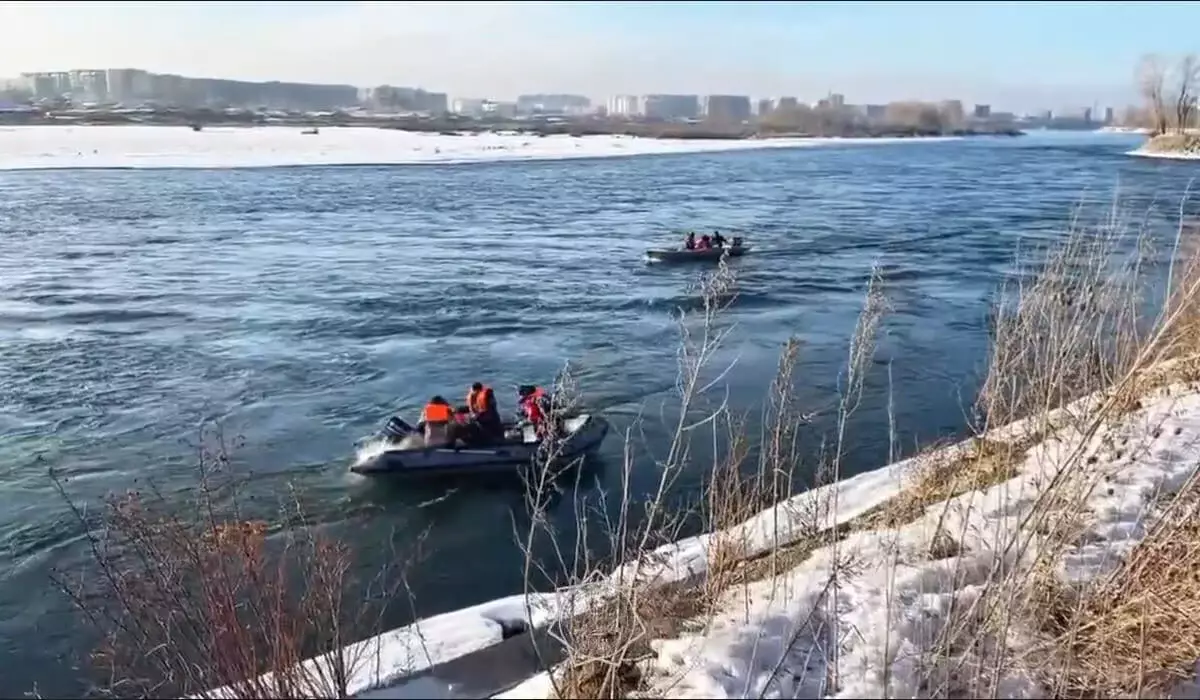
(765, 106)
(727, 108)
(553, 104)
(671, 106)
(89, 85)
(787, 103)
(952, 112)
(624, 106)
(128, 84)
(498, 109)
(983, 111)
(405, 99)
(468, 106)
(1108, 115)
(49, 84)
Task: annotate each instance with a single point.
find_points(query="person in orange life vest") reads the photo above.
(481, 400)
(705, 242)
(436, 419)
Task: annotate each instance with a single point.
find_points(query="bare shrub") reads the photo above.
(620, 602)
(193, 598)
(1151, 79)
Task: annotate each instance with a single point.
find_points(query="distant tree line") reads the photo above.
(830, 120)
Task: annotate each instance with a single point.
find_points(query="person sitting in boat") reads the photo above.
(705, 243)
(737, 242)
(435, 422)
(465, 430)
(481, 401)
(535, 407)
(690, 242)
(718, 240)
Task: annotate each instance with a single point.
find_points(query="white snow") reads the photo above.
(44, 147)
(890, 610)
(772, 638)
(385, 660)
(1164, 155)
(1122, 130)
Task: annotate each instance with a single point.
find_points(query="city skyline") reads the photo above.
(135, 86)
(1022, 56)
(132, 87)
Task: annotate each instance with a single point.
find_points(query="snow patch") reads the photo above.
(772, 638)
(58, 147)
(1164, 155)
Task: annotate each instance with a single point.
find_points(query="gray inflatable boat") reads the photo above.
(683, 255)
(583, 433)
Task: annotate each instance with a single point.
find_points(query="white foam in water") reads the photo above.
(370, 450)
(39, 147)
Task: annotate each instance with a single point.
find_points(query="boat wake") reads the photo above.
(370, 450)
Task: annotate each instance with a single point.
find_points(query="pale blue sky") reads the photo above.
(1015, 55)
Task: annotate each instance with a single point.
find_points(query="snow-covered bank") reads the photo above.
(771, 637)
(56, 147)
(1142, 153)
(915, 609)
(400, 654)
(1172, 146)
(897, 595)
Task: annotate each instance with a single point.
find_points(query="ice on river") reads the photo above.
(43, 147)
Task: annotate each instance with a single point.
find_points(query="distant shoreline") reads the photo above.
(460, 126)
(45, 147)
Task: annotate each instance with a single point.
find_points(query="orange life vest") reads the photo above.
(437, 413)
(478, 400)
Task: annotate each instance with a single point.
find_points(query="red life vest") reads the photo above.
(532, 405)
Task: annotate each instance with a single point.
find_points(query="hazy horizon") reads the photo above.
(1018, 56)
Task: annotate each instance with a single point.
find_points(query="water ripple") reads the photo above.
(301, 305)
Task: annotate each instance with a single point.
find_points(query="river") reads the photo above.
(299, 306)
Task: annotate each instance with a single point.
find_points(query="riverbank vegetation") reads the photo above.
(1081, 337)
(1169, 94)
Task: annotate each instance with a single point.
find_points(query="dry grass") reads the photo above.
(1137, 634)
(1173, 143)
(940, 477)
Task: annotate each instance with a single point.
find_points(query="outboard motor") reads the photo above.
(396, 429)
